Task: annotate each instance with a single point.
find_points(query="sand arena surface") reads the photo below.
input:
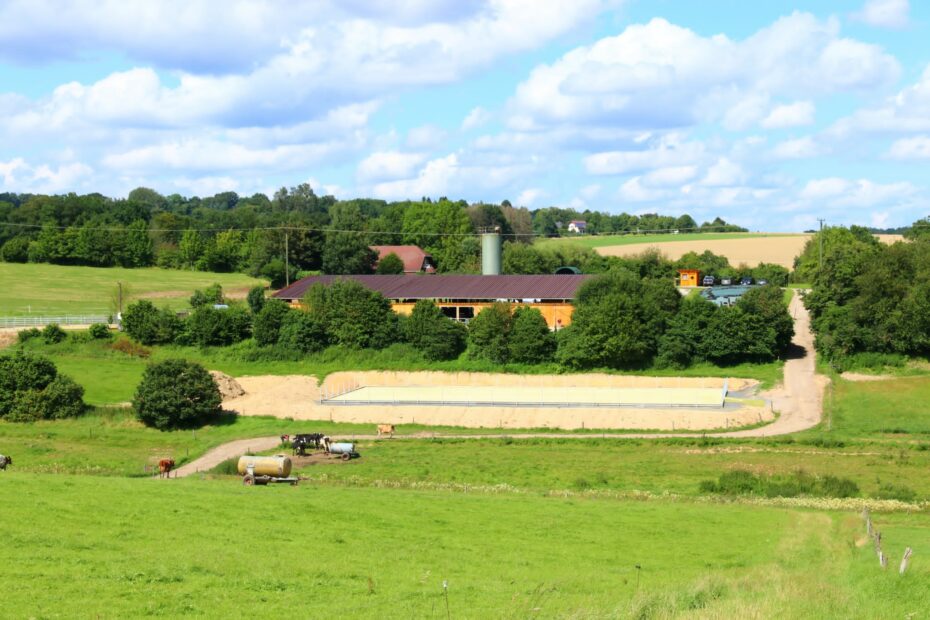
(780, 250)
(298, 397)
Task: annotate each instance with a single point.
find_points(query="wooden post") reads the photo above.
(905, 560)
(883, 559)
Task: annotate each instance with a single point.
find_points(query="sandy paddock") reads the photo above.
(298, 397)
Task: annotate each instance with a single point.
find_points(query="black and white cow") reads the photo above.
(4, 461)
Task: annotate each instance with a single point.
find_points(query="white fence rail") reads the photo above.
(38, 321)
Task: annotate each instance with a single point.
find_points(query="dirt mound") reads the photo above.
(229, 387)
(858, 377)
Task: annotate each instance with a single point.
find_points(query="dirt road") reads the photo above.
(799, 400)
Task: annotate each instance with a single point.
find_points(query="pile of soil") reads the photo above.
(229, 387)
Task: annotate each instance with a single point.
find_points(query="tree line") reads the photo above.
(254, 234)
(621, 321)
(869, 300)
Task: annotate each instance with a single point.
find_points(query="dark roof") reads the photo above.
(411, 255)
(453, 286)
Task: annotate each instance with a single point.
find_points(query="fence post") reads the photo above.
(905, 560)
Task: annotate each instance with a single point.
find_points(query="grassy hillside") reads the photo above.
(629, 239)
(218, 549)
(54, 290)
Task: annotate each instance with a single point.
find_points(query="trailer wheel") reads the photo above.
(248, 480)
(345, 456)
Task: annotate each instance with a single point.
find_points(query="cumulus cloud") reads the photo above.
(799, 148)
(388, 165)
(790, 115)
(884, 13)
(17, 175)
(917, 147)
(477, 117)
(662, 76)
(840, 192)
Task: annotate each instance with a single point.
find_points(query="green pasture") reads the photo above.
(597, 241)
(112, 548)
(55, 290)
(110, 376)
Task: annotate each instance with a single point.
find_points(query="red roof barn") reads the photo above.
(415, 260)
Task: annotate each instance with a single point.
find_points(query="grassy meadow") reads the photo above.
(55, 290)
(110, 547)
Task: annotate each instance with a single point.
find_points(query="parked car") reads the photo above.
(762, 282)
(747, 281)
(726, 281)
(708, 281)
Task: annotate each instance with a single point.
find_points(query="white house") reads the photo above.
(577, 226)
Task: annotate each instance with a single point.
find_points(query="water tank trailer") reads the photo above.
(261, 470)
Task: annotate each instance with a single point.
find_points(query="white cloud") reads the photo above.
(477, 117)
(790, 115)
(884, 13)
(206, 185)
(839, 192)
(529, 196)
(425, 137)
(388, 165)
(666, 152)
(917, 147)
(907, 111)
(724, 173)
(672, 176)
(662, 76)
(800, 148)
(17, 175)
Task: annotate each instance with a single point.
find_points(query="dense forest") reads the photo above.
(232, 233)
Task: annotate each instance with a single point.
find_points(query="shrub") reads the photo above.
(211, 295)
(432, 333)
(266, 326)
(53, 333)
(26, 335)
(31, 389)
(741, 482)
(256, 299)
(99, 331)
(489, 332)
(531, 341)
(839, 487)
(352, 315)
(16, 250)
(176, 394)
(147, 324)
(208, 326)
(124, 345)
(302, 331)
(900, 493)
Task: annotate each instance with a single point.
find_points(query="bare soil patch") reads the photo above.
(859, 377)
(229, 387)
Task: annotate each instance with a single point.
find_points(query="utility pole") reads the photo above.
(821, 242)
(287, 262)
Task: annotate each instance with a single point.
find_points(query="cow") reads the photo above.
(285, 439)
(4, 461)
(386, 429)
(304, 441)
(164, 468)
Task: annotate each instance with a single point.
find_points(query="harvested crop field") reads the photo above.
(777, 249)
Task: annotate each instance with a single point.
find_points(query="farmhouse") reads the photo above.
(415, 259)
(462, 297)
(577, 226)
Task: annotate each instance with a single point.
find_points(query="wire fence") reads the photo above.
(518, 404)
(36, 321)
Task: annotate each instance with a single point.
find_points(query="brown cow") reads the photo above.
(164, 468)
(386, 429)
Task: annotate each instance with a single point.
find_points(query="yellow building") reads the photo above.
(462, 297)
(689, 277)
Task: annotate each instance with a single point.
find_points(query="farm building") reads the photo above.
(462, 297)
(577, 226)
(415, 259)
(688, 277)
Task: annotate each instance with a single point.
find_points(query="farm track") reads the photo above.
(799, 401)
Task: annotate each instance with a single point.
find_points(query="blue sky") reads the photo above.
(768, 114)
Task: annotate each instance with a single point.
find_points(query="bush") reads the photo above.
(266, 327)
(31, 389)
(900, 493)
(353, 316)
(489, 332)
(147, 324)
(530, 341)
(434, 334)
(26, 335)
(53, 333)
(800, 483)
(100, 331)
(302, 331)
(256, 299)
(124, 345)
(16, 250)
(176, 394)
(211, 295)
(208, 326)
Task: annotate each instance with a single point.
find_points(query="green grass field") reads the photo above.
(55, 290)
(107, 547)
(588, 241)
